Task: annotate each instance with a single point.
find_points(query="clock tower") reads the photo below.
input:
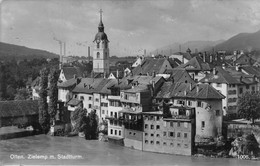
(101, 50)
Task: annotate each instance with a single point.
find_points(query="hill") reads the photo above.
(243, 41)
(10, 51)
(193, 45)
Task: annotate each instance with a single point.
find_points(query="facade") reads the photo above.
(101, 50)
(65, 89)
(232, 83)
(204, 98)
(174, 134)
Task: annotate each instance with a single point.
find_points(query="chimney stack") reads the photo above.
(197, 88)
(214, 71)
(223, 66)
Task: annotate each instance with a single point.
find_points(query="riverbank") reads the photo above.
(50, 150)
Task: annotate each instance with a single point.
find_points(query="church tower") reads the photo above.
(101, 50)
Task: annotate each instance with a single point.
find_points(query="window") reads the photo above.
(119, 132)
(75, 96)
(178, 124)
(157, 127)
(199, 104)
(202, 124)
(182, 102)
(253, 88)
(247, 86)
(217, 112)
(178, 144)
(189, 103)
(164, 143)
(97, 100)
(185, 135)
(157, 118)
(89, 98)
(97, 45)
(164, 133)
(171, 144)
(152, 135)
(103, 111)
(157, 135)
(157, 142)
(152, 126)
(89, 106)
(178, 134)
(111, 113)
(146, 141)
(130, 133)
(81, 97)
(98, 54)
(134, 133)
(171, 134)
(111, 131)
(126, 96)
(145, 134)
(151, 142)
(115, 132)
(186, 145)
(240, 90)
(171, 124)
(146, 126)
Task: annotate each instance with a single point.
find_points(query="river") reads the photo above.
(48, 150)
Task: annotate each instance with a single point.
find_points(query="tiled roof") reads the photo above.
(240, 76)
(222, 76)
(69, 83)
(69, 72)
(252, 70)
(88, 85)
(186, 90)
(139, 88)
(18, 108)
(196, 63)
(74, 102)
(151, 65)
(105, 89)
(180, 75)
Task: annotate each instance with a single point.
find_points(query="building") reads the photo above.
(101, 50)
(197, 68)
(13, 113)
(206, 100)
(152, 66)
(67, 73)
(183, 57)
(232, 83)
(174, 134)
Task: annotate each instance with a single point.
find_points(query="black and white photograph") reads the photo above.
(130, 82)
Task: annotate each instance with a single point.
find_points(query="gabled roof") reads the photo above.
(179, 75)
(221, 76)
(240, 76)
(69, 83)
(89, 85)
(196, 63)
(151, 65)
(69, 72)
(251, 70)
(105, 89)
(18, 108)
(184, 54)
(186, 90)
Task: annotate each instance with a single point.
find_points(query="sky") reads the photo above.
(131, 25)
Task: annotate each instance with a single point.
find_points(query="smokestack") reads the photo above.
(88, 54)
(144, 52)
(64, 49)
(61, 59)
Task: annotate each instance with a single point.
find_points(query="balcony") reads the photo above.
(183, 116)
(115, 121)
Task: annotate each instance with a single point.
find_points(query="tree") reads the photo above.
(249, 107)
(43, 106)
(251, 144)
(53, 94)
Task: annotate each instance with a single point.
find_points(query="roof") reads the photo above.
(221, 76)
(153, 113)
(89, 85)
(18, 108)
(69, 72)
(139, 88)
(179, 75)
(74, 102)
(252, 70)
(69, 83)
(186, 55)
(151, 65)
(187, 90)
(196, 63)
(240, 76)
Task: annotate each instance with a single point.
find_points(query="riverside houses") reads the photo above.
(232, 83)
(206, 101)
(131, 96)
(173, 134)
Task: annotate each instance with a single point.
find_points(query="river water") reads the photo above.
(48, 150)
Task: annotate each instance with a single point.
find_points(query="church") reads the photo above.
(101, 51)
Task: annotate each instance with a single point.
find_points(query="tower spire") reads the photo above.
(100, 11)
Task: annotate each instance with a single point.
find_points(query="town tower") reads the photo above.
(101, 50)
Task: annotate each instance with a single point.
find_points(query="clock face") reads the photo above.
(98, 40)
